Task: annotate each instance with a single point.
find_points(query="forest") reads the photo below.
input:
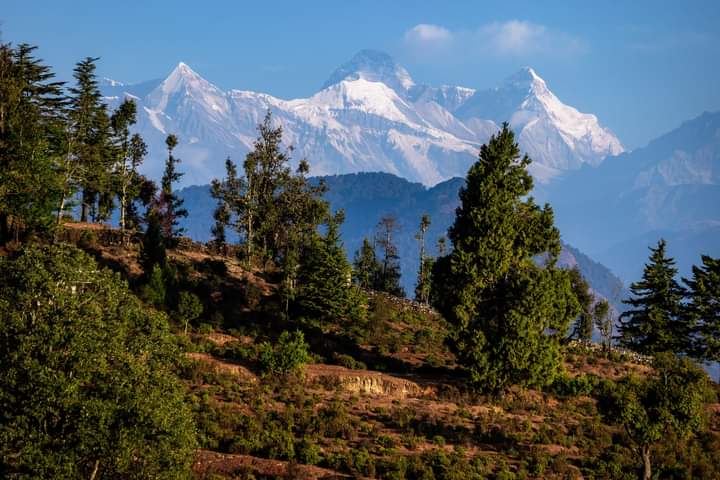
(130, 351)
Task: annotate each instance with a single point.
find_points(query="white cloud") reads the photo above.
(427, 33)
(516, 38)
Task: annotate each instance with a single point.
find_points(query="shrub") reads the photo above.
(308, 452)
(566, 386)
(289, 354)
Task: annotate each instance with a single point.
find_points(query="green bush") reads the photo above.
(566, 386)
(308, 452)
(289, 354)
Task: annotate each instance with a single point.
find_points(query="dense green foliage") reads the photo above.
(655, 322)
(325, 292)
(288, 355)
(604, 320)
(509, 313)
(366, 267)
(584, 323)
(168, 206)
(703, 309)
(423, 284)
(32, 143)
(62, 142)
(672, 401)
(87, 379)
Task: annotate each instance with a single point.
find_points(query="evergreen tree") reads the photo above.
(325, 291)
(422, 286)
(129, 153)
(169, 204)
(266, 172)
(88, 164)
(301, 210)
(584, 322)
(152, 252)
(604, 321)
(31, 142)
(509, 314)
(703, 309)
(388, 279)
(228, 194)
(366, 267)
(655, 322)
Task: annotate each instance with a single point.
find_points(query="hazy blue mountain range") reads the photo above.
(370, 115)
(366, 197)
(670, 189)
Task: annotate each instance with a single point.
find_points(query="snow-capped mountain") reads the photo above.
(369, 116)
(556, 136)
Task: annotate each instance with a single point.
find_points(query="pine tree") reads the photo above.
(654, 323)
(266, 171)
(31, 141)
(169, 204)
(604, 321)
(422, 286)
(703, 309)
(584, 322)
(152, 251)
(89, 161)
(509, 314)
(135, 186)
(366, 267)
(228, 195)
(388, 279)
(301, 211)
(129, 153)
(325, 291)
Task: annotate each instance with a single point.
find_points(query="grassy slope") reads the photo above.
(382, 399)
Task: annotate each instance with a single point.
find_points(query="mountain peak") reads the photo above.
(373, 66)
(182, 69)
(524, 78)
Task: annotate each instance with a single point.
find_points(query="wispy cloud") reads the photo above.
(515, 38)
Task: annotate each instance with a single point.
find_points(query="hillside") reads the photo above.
(384, 398)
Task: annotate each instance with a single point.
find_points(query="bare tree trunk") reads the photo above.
(95, 470)
(647, 466)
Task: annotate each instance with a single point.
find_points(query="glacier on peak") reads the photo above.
(369, 116)
(373, 66)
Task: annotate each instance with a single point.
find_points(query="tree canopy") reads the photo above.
(87, 381)
(508, 312)
(655, 322)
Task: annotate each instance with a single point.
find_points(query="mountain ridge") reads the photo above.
(370, 115)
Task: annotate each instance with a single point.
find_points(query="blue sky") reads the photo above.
(643, 67)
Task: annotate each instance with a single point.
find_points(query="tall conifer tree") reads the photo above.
(655, 322)
(31, 126)
(89, 142)
(170, 205)
(703, 309)
(509, 313)
(366, 267)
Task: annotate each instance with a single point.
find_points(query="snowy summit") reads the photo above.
(369, 116)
